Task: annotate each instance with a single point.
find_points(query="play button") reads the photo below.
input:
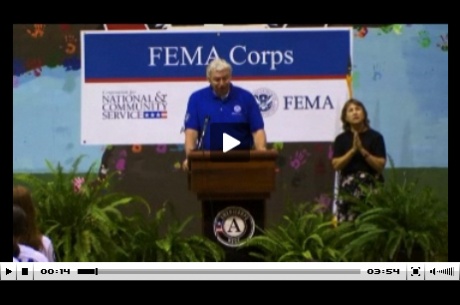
(229, 142)
(8, 271)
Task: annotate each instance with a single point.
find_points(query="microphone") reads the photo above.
(203, 132)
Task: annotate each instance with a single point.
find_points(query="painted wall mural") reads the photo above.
(399, 71)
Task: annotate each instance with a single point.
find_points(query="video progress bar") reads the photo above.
(233, 271)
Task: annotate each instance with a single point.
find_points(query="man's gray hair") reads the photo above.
(218, 64)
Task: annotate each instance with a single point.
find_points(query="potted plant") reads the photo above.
(307, 233)
(396, 222)
(81, 213)
(161, 239)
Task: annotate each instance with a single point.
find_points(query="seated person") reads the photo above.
(33, 237)
(23, 253)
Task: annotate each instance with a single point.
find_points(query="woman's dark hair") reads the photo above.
(19, 221)
(33, 236)
(16, 249)
(19, 227)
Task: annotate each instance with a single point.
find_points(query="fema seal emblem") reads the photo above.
(233, 226)
(267, 101)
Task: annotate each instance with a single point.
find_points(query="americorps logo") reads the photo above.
(267, 101)
(233, 226)
(132, 105)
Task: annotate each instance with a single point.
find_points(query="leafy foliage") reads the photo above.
(150, 244)
(306, 233)
(81, 214)
(397, 222)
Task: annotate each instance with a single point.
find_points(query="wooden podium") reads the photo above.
(232, 188)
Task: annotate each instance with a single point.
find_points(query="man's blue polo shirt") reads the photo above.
(239, 106)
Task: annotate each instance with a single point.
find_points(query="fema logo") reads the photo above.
(233, 226)
(267, 100)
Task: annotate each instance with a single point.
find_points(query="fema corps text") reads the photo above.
(238, 55)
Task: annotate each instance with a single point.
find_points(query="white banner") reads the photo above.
(140, 100)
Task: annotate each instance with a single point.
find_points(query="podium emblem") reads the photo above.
(233, 226)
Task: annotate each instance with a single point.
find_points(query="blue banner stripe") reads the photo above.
(202, 78)
(177, 55)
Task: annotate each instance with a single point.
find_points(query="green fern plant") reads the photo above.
(306, 233)
(82, 216)
(396, 222)
(162, 239)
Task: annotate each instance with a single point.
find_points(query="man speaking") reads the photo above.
(222, 102)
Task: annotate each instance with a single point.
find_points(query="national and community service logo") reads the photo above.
(130, 104)
(233, 226)
(267, 100)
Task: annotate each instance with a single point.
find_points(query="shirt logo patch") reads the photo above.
(236, 110)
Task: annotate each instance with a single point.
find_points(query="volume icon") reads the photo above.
(447, 271)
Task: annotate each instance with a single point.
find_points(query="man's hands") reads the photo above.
(191, 136)
(185, 165)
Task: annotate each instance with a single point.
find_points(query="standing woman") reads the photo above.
(33, 237)
(359, 155)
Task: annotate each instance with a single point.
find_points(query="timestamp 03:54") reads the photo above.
(383, 271)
